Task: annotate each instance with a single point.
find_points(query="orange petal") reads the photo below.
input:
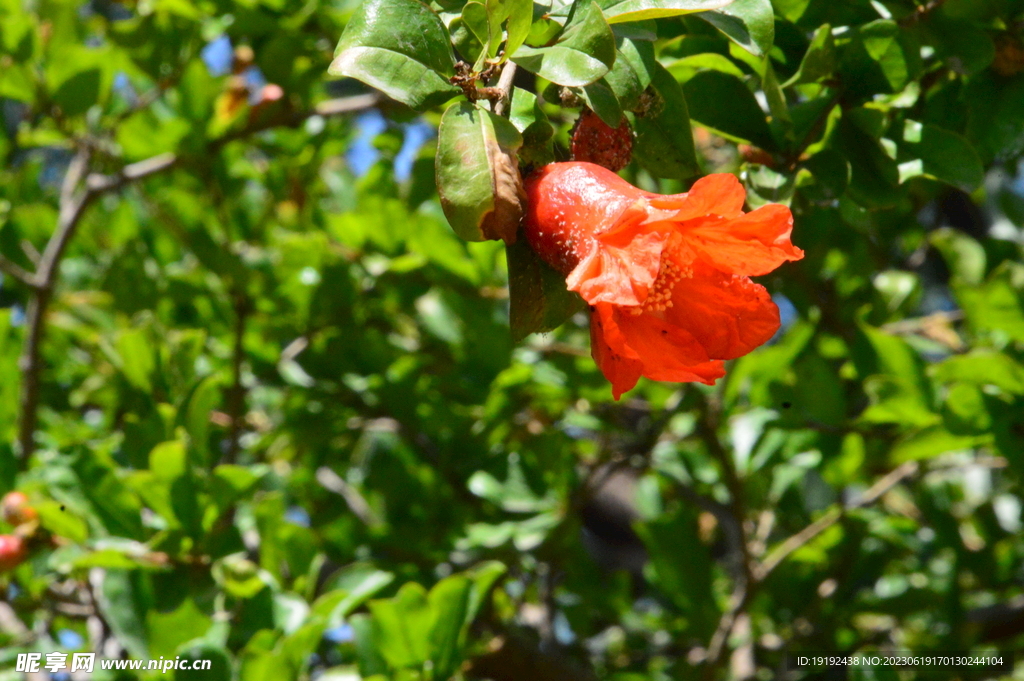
(668, 352)
(621, 276)
(617, 362)
(750, 245)
(729, 315)
(719, 194)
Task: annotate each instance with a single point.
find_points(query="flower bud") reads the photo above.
(12, 552)
(16, 509)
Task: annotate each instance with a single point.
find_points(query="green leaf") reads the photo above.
(79, 92)
(819, 61)
(831, 174)
(219, 658)
(169, 630)
(685, 68)
(664, 138)
(995, 121)
(449, 602)
(982, 368)
(748, 23)
(878, 58)
(585, 50)
(892, 355)
(61, 522)
(169, 463)
(477, 173)
(997, 306)
(621, 88)
(484, 576)
(485, 25)
(240, 577)
(403, 627)
(117, 506)
(944, 155)
(931, 442)
(964, 411)
(368, 653)
(120, 599)
(724, 104)
(681, 566)
(964, 256)
(874, 176)
(135, 351)
(520, 21)
(630, 75)
(538, 298)
(766, 185)
(399, 47)
(485, 20)
(195, 414)
(776, 99)
(600, 98)
(963, 45)
(352, 586)
(531, 121)
(620, 11)
(896, 400)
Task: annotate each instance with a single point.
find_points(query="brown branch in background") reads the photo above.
(73, 203)
(707, 427)
(745, 589)
(813, 132)
(79, 189)
(921, 12)
(236, 397)
(15, 271)
(355, 501)
(737, 604)
(832, 516)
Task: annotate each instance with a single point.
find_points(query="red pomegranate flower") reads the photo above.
(666, 277)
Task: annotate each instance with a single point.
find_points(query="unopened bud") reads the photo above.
(12, 552)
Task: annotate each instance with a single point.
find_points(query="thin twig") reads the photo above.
(15, 271)
(921, 12)
(504, 101)
(333, 482)
(745, 583)
(833, 515)
(813, 132)
(737, 603)
(918, 323)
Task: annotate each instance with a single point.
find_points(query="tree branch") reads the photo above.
(236, 400)
(832, 516)
(504, 101)
(707, 426)
(73, 203)
(15, 271)
(79, 189)
(920, 13)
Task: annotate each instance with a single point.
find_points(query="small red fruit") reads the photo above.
(12, 552)
(594, 141)
(16, 510)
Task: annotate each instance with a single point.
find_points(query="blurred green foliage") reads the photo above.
(282, 422)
